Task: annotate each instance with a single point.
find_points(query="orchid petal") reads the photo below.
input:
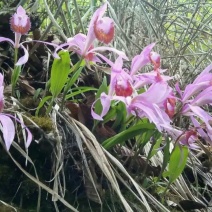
(200, 130)
(22, 60)
(29, 137)
(105, 48)
(90, 35)
(205, 72)
(20, 22)
(1, 98)
(2, 39)
(192, 89)
(141, 60)
(105, 102)
(1, 79)
(157, 93)
(8, 130)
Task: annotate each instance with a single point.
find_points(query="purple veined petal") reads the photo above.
(142, 59)
(157, 93)
(22, 60)
(202, 74)
(162, 115)
(205, 97)
(2, 39)
(8, 130)
(146, 110)
(197, 111)
(193, 89)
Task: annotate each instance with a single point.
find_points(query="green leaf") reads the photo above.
(73, 79)
(177, 162)
(128, 134)
(121, 114)
(42, 102)
(79, 90)
(156, 147)
(102, 88)
(15, 75)
(59, 73)
(166, 157)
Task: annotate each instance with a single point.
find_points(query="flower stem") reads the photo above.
(15, 73)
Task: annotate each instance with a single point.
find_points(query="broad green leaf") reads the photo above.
(128, 134)
(177, 162)
(59, 73)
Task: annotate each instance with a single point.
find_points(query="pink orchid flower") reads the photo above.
(139, 61)
(187, 138)
(20, 24)
(203, 81)
(150, 104)
(123, 88)
(204, 129)
(146, 105)
(6, 124)
(100, 28)
(120, 85)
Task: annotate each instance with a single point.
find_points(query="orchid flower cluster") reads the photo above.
(159, 102)
(100, 29)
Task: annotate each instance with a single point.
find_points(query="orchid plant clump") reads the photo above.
(145, 95)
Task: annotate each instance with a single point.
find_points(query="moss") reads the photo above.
(44, 123)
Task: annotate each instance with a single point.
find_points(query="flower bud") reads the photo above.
(104, 30)
(155, 59)
(20, 22)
